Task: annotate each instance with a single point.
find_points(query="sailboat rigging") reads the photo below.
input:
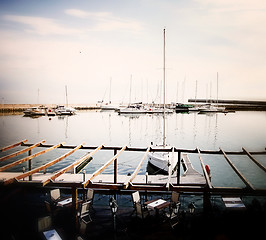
(164, 161)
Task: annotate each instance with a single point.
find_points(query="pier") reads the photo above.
(191, 181)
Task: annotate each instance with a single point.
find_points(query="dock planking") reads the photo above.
(191, 176)
(191, 180)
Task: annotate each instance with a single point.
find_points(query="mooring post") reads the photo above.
(30, 164)
(75, 207)
(115, 171)
(206, 201)
(178, 168)
(115, 167)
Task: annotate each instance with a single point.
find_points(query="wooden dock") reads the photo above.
(191, 180)
(191, 176)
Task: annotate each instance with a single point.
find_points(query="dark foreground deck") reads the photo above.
(20, 209)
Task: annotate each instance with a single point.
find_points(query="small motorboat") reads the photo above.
(34, 111)
(62, 110)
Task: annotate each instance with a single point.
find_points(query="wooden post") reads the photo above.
(206, 200)
(75, 206)
(115, 171)
(178, 169)
(30, 164)
(115, 167)
(206, 192)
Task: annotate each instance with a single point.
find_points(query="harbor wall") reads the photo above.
(236, 105)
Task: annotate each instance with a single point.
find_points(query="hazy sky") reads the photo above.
(46, 45)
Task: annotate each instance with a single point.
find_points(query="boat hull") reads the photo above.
(163, 161)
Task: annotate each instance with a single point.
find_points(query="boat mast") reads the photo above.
(217, 88)
(130, 86)
(66, 96)
(196, 91)
(164, 87)
(110, 90)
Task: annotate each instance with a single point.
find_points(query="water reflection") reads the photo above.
(231, 132)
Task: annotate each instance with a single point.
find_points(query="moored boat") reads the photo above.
(211, 108)
(181, 107)
(62, 110)
(34, 111)
(137, 108)
(163, 162)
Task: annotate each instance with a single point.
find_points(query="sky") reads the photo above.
(213, 47)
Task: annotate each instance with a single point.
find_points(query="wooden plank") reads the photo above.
(97, 172)
(191, 176)
(204, 171)
(170, 169)
(254, 160)
(214, 152)
(13, 145)
(43, 166)
(137, 169)
(29, 157)
(21, 151)
(247, 183)
(60, 172)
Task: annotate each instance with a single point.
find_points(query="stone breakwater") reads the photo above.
(13, 108)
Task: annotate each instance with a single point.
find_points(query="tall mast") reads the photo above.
(164, 69)
(196, 91)
(130, 89)
(110, 90)
(164, 87)
(217, 88)
(66, 96)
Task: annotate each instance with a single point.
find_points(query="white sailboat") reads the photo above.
(210, 108)
(64, 110)
(164, 161)
(108, 105)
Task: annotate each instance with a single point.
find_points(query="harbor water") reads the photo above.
(230, 131)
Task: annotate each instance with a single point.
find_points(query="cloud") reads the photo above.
(236, 5)
(106, 21)
(41, 26)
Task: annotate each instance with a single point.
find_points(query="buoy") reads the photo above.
(208, 169)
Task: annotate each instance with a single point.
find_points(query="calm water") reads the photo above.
(209, 132)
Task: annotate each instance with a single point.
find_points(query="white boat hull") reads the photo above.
(62, 110)
(164, 161)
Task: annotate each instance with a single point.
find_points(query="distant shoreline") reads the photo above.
(231, 105)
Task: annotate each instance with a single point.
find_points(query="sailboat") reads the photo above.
(108, 105)
(164, 161)
(210, 108)
(64, 110)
